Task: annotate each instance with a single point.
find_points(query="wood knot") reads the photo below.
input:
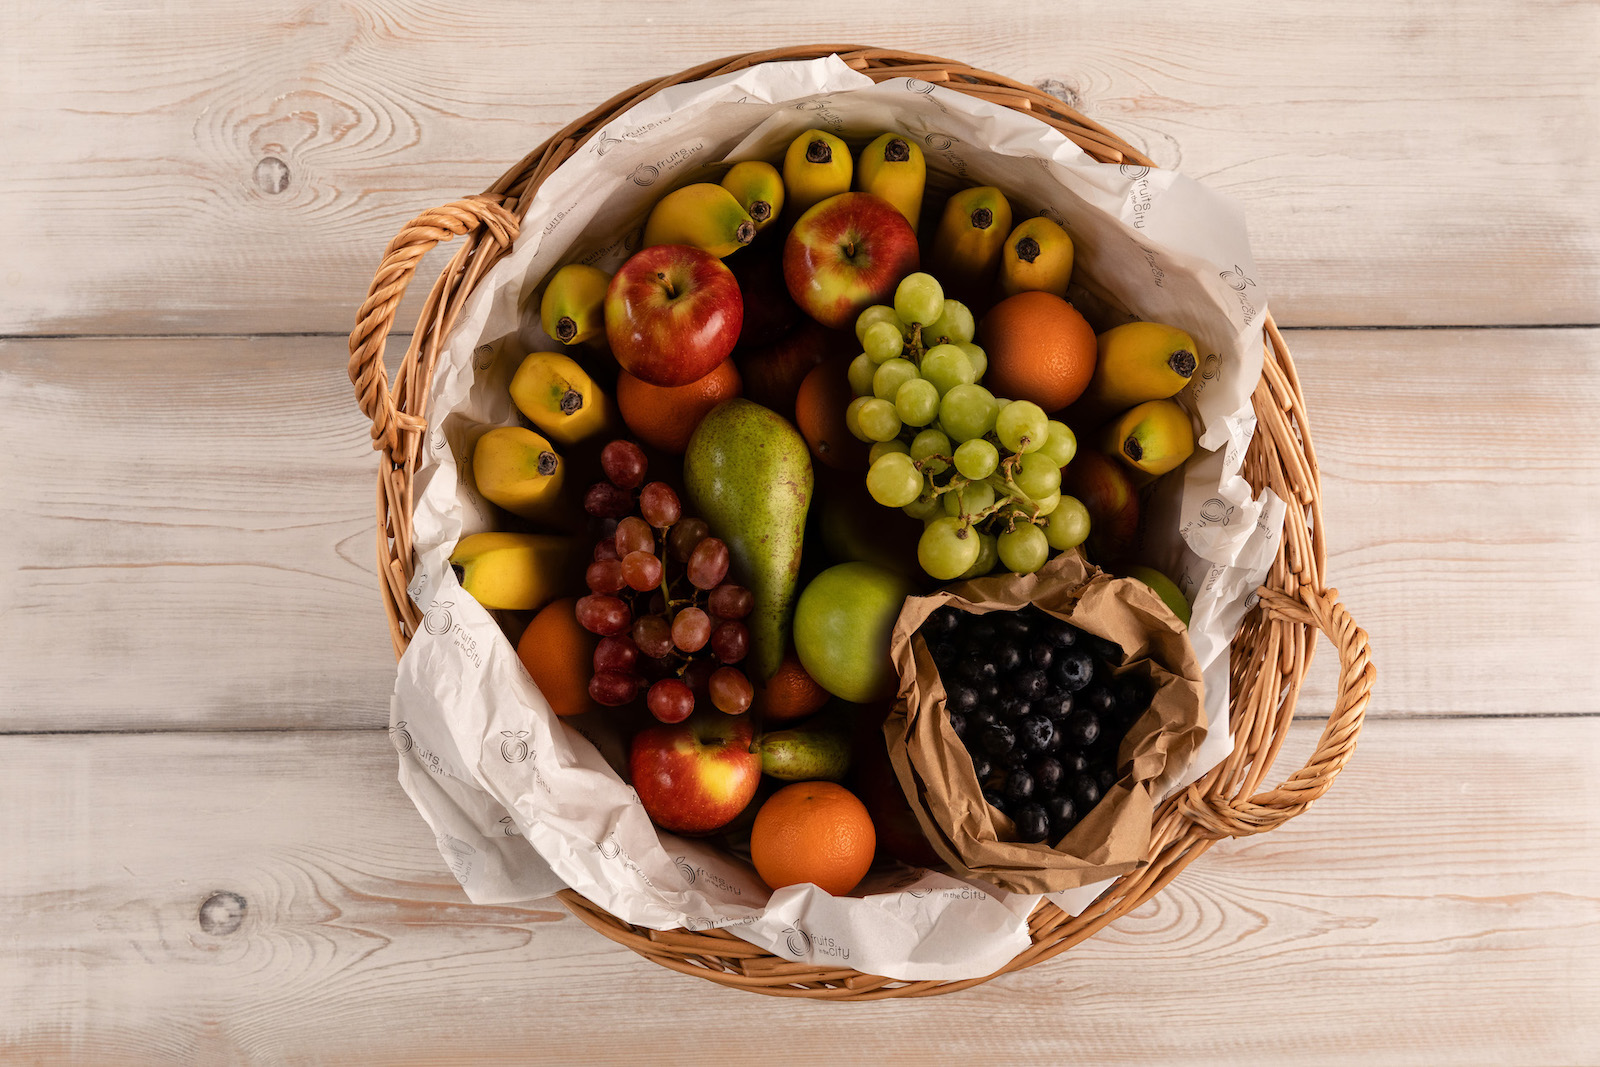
(272, 175)
(222, 913)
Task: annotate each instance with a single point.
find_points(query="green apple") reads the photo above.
(842, 625)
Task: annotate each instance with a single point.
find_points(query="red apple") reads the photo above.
(772, 375)
(845, 254)
(1104, 487)
(768, 311)
(695, 776)
(672, 314)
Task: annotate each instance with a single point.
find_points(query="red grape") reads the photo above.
(634, 535)
(605, 576)
(616, 654)
(653, 635)
(624, 463)
(658, 603)
(698, 676)
(670, 700)
(708, 564)
(685, 536)
(731, 690)
(605, 501)
(613, 688)
(730, 642)
(691, 630)
(655, 668)
(603, 615)
(641, 570)
(604, 549)
(730, 601)
(659, 505)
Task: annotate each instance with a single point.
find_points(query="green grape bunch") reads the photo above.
(981, 472)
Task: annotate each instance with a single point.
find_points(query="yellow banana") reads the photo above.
(573, 306)
(892, 167)
(703, 215)
(758, 187)
(560, 398)
(516, 571)
(1153, 437)
(816, 166)
(1037, 256)
(1139, 361)
(520, 471)
(972, 232)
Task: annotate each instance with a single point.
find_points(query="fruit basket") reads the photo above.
(1270, 653)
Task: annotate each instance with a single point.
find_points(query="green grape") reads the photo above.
(919, 299)
(882, 341)
(946, 366)
(967, 412)
(924, 508)
(977, 458)
(1022, 426)
(977, 357)
(860, 375)
(954, 324)
(947, 548)
(931, 442)
(988, 556)
(883, 448)
(852, 418)
(968, 500)
(893, 481)
(1037, 476)
(875, 313)
(890, 376)
(1061, 444)
(878, 420)
(1023, 549)
(1068, 525)
(1045, 505)
(917, 401)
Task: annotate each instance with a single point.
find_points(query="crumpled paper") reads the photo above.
(523, 803)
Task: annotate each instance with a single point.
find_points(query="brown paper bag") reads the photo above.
(936, 772)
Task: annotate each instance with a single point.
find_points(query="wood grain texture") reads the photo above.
(233, 166)
(195, 549)
(1436, 907)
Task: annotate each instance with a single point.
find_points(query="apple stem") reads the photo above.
(666, 283)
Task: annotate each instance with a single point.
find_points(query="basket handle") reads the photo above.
(1240, 817)
(415, 240)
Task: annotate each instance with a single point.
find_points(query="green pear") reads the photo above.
(1165, 588)
(748, 473)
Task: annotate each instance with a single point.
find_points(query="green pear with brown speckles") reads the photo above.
(748, 473)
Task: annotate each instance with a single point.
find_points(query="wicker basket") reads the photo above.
(1270, 653)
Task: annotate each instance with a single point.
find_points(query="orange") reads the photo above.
(1039, 349)
(665, 415)
(559, 654)
(815, 832)
(791, 693)
(819, 413)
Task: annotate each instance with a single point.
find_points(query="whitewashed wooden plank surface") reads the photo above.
(196, 543)
(1438, 906)
(238, 165)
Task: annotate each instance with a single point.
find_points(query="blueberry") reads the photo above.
(1083, 729)
(958, 723)
(968, 667)
(1061, 634)
(989, 692)
(1015, 624)
(982, 766)
(1007, 657)
(1032, 823)
(1072, 671)
(1016, 757)
(995, 800)
(1062, 812)
(1056, 707)
(1086, 793)
(945, 654)
(1048, 774)
(1076, 764)
(962, 698)
(943, 623)
(982, 630)
(1106, 779)
(1041, 656)
(1035, 733)
(1019, 784)
(1030, 684)
(984, 716)
(987, 673)
(998, 740)
(1097, 699)
(1012, 706)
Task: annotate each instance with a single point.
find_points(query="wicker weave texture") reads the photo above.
(1270, 654)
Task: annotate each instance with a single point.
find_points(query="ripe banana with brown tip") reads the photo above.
(816, 166)
(1139, 361)
(1037, 256)
(559, 397)
(703, 215)
(573, 306)
(758, 187)
(892, 167)
(972, 232)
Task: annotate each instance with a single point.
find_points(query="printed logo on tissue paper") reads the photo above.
(555, 220)
(825, 115)
(1238, 282)
(1157, 275)
(917, 85)
(965, 893)
(1217, 510)
(1139, 198)
(400, 738)
(514, 749)
(943, 144)
(482, 356)
(510, 827)
(1132, 171)
(437, 620)
(437, 439)
(644, 175)
(606, 142)
(693, 923)
(691, 874)
(920, 893)
(612, 849)
(799, 942)
(458, 854)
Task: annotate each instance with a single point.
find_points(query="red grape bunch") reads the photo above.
(658, 597)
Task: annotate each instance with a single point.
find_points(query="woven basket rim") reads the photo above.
(1272, 648)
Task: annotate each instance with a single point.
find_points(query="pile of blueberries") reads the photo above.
(1035, 702)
